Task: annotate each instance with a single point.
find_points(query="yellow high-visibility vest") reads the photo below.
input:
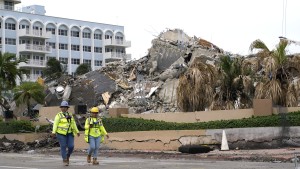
(62, 125)
(96, 130)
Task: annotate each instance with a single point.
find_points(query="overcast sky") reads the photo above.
(230, 24)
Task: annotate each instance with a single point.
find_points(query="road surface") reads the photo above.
(42, 161)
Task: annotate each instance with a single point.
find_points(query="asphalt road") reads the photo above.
(42, 161)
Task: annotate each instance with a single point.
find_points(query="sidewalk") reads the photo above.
(262, 155)
(272, 155)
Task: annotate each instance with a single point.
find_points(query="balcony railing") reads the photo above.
(117, 42)
(117, 55)
(10, 8)
(35, 48)
(33, 63)
(35, 33)
(31, 77)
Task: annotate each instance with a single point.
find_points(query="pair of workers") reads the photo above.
(64, 128)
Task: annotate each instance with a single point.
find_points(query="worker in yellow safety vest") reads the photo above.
(94, 135)
(64, 127)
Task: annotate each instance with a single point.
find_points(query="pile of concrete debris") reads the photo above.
(147, 85)
(7, 145)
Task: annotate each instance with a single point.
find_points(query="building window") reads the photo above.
(87, 48)
(37, 72)
(119, 37)
(52, 30)
(75, 47)
(108, 37)
(10, 26)
(97, 36)
(98, 62)
(97, 49)
(63, 60)
(87, 61)
(10, 41)
(25, 56)
(37, 57)
(120, 51)
(0, 40)
(75, 61)
(23, 26)
(108, 50)
(86, 35)
(51, 57)
(62, 32)
(37, 42)
(52, 44)
(24, 41)
(37, 28)
(8, 5)
(75, 33)
(63, 46)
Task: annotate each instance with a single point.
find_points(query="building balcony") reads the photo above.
(7, 7)
(116, 55)
(45, 49)
(117, 42)
(16, 1)
(33, 63)
(34, 33)
(31, 78)
(10, 7)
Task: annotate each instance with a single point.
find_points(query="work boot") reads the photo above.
(66, 162)
(88, 159)
(95, 162)
(68, 159)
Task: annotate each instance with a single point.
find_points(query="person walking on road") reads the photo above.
(64, 127)
(94, 135)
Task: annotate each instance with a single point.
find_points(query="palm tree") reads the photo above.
(54, 69)
(9, 73)
(196, 87)
(235, 82)
(9, 70)
(27, 92)
(276, 82)
(82, 69)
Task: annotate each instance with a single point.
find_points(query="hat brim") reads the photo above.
(64, 106)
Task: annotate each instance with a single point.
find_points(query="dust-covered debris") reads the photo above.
(145, 85)
(7, 145)
(173, 77)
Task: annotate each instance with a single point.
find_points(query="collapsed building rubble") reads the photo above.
(150, 84)
(147, 85)
(7, 145)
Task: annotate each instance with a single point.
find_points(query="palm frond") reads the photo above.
(260, 45)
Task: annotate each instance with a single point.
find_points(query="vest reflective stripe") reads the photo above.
(63, 125)
(87, 132)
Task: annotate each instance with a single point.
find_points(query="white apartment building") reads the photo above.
(28, 32)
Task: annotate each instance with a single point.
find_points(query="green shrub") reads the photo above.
(15, 127)
(123, 124)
